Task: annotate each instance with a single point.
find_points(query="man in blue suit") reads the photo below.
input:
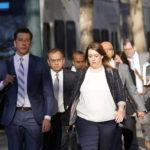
(29, 99)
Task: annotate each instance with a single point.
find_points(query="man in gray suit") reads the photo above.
(147, 104)
(138, 61)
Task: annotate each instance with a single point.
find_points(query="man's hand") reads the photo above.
(9, 79)
(141, 115)
(67, 128)
(133, 115)
(46, 125)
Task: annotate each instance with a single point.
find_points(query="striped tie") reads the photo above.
(21, 88)
(56, 92)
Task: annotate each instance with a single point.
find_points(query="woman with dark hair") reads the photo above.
(97, 101)
(120, 57)
(134, 103)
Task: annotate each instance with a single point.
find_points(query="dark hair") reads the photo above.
(128, 41)
(123, 57)
(78, 52)
(98, 48)
(54, 50)
(23, 30)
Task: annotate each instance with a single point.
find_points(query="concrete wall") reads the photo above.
(105, 14)
(146, 19)
(8, 26)
(63, 10)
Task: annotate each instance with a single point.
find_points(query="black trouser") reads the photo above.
(95, 135)
(53, 138)
(129, 133)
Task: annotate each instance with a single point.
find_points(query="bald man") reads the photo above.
(128, 83)
(123, 72)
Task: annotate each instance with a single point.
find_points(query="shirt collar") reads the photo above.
(73, 69)
(112, 63)
(25, 57)
(134, 56)
(53, 73)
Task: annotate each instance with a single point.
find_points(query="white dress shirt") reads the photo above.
(73, 69)
(135, 64)
(112, 63)
(1, 85)
(60, 95)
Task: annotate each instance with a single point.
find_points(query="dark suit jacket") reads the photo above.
(68, 82)
(39, 89)
(114, 83)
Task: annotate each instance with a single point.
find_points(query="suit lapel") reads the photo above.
(80, 79)
(107, 74)
(13, 72)
(11, 66)
(64, 85)
(109, 77)
(31, 68)
(64, 82)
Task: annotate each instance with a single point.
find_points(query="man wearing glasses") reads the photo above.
(62, 85)
(138, 63)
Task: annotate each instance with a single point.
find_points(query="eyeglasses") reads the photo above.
(56, 60)
(128, 49)
(24, 41)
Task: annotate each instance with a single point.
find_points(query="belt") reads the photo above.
(141, 94)
(24, 108)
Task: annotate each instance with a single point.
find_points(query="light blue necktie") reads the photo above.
(21, 84)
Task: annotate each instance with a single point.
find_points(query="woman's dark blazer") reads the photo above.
(114, 83)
